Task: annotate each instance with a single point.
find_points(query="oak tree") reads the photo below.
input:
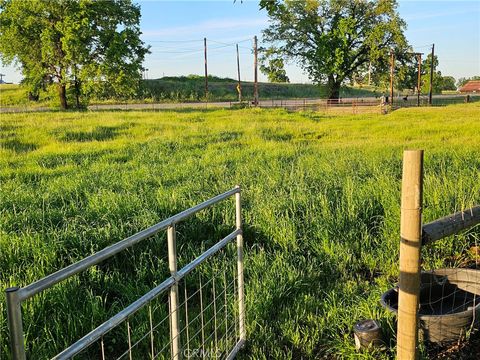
(333, 39)
(90, 46)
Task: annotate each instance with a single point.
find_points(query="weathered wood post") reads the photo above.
(410, 246)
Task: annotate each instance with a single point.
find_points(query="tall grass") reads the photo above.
(321, 209)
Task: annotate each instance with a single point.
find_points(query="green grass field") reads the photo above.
(321, 210)
(16, 95)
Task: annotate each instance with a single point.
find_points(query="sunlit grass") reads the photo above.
(321, 211)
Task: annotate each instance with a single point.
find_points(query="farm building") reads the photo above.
(471, 86)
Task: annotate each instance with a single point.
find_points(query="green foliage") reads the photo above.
(437, 76)
(406, 72)
(332, 40)
(272, 65)
(91, 46)
(448, 83)
(321, 212)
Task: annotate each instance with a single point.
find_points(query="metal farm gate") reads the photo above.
(208, 322)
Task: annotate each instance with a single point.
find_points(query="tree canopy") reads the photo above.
(273, 65)
(89, 46)
(332, 40)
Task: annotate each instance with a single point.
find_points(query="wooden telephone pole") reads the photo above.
(430, 92)
(419, 80)
(392, 64)
(206, 70)
(255, 71)
(239, 86)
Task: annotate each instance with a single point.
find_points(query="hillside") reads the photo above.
(192, 88)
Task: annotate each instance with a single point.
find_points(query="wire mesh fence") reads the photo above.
(340, 106)
(208, 314)
(449, 310)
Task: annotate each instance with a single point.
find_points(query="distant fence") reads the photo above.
(444, 100)
(360, 105)
(208, 323)
(340, 106)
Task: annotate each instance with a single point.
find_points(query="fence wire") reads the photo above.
(208, 312)
(449, 309)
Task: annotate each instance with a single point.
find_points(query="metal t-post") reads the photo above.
(14, 313)
(173, 313)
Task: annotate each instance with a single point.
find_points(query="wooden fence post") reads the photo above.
(410, 246)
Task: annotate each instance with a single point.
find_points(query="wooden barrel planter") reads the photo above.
(449, 303)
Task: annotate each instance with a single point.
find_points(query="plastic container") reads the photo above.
(449, 303)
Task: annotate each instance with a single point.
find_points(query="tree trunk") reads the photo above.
(333, 88)
(77, 92)
(62, 93)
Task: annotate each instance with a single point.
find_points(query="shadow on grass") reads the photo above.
(100, 133)
(18, 146)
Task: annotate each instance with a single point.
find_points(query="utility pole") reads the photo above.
(255, 71)
(206, 70)
(419, 81)
(239, 86)
(430, 92)
(392, 63)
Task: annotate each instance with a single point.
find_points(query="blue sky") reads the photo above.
(175, 30)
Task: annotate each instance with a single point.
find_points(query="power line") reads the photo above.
(186, 51)
(175, 47)
(170, 51)
(175, 41)
(234, 43)
(179, 52)
(422, 46)
(229, 44)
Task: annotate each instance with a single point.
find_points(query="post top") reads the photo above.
(413, 150)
